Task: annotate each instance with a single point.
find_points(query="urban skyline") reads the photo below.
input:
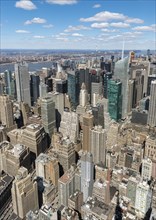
(77, 24)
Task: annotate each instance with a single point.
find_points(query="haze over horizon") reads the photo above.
(78, 24)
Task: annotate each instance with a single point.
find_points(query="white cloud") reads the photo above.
(62, 2)
(36, 21)
(134, 20)
(25, 4)
(77, 35)
(145, 28)
(76, 28)
(104, 16)
(96, 6)
(22, 31)
(120, 25)
(109, 30)
(48, 26)
(99, 25)
(39, 37)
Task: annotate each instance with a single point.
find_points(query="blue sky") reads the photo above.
(78, 24)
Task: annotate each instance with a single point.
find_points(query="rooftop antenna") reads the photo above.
(123, 48)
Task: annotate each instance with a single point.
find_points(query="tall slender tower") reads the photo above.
(152, 106)
(48, 115)
(98, 144)
(87, 172)
(83, 95)
(87, 125)
(6, 111)
(22, 83)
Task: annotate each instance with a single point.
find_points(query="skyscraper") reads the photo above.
(6, 111)
(121, 72)
(22, 83)
(24, 193)
(152, 106)
(98, 144)
(34, 87)
(48, 115)
(146, 169)
(87, 173)
(87, 125)
(47, 167)
(83, 95)
(73, 88)
(115, 99)
(9, 83)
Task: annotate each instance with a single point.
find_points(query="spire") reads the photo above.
(83, 87)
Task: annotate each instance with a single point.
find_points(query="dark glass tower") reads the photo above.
(34, 88)
(115, 99)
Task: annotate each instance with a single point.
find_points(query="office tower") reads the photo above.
(152, 106)
(66, 153)
(101, 191)
(6, 111)
(115, 99)
(83, 95)
(112, 135)
(35, 138)
(131, 189)
(13, 157)
(143, 198)
(146, 172)
(49, 192)
(68, 184)
(150, 79)
(121, 72)
(98, 113)
(43, 88)
(73, 88)
(9, 83)
(22, 83)
(98, 144)
(48, 115)
(87, 125)
(75, 201)
(2, 87)
(130, 94)
(34, 87)
(5, 190)
(24, 193)
(69, 125)
(96, 92)
(47, 167)
(49, 83)
(25, 110)
(61, 86)
(107, 76)
(87, 173)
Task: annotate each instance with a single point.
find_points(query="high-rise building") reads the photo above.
(152, 106)
(131, 189)
(69, 125)
(115, 99)
(87, 174)
(87, 125)
(9, 83)
(68, 184)
(13, 157)
(22, 83)
(146, 172)
(66, 153)
(75, 201)
(106, 77)
(47, 167)
(121, 72)
(73, 88)
(83, 95)
(34, 87)
(6, 111)
(43, 88)
(48, 115)
(98, 144)
(24, 193)
(98, 113)
(143, 198)
(61, 86)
